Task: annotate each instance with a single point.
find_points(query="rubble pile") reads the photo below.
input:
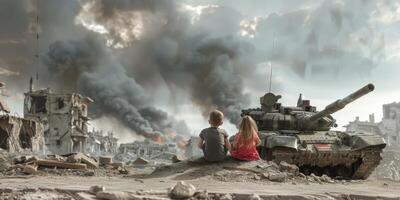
(389, 167)
(237, 171)
(69, 164)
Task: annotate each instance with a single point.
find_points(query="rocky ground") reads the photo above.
(228, 180)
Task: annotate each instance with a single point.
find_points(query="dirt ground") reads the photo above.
(369, 188)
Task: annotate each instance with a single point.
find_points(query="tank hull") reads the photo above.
(336, 154)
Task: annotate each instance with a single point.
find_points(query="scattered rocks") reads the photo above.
(201, 195)
(105, 160)
(113, 195)
(277, 177)
(30, 169)
(182, 190)
(286, 167)
(225, 197)
(96, 188)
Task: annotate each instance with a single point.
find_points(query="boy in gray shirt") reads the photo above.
(213, 140)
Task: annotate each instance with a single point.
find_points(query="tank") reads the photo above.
(302, 136)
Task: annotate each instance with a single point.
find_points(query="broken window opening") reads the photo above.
(60, 103)
(25, 139)
(4, 139)
(38, 104)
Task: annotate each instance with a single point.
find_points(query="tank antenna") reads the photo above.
(270, 65)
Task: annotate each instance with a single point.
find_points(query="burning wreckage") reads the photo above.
(57, 124)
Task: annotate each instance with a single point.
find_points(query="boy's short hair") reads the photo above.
(216, 117)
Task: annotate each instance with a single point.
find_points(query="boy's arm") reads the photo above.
(228, 144)
(201, 142)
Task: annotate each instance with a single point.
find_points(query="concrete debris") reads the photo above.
(30, 169)
(18, 134)
(105, 160)
(225, 197)
(96, 188)
(74, 158)
(113, 195)
(182, 190)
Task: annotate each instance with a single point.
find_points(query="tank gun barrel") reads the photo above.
(341, 103)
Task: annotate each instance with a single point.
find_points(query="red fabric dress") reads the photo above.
(246, 153)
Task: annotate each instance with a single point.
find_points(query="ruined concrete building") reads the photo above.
(147, 149)
(364, 126)
(64, 116)
(390, 124)
(17, 134)
(98, 143)
(389, 127)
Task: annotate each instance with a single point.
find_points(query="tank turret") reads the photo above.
(303, 117)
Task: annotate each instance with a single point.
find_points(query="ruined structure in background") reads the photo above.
(389, 127)
(147, 150)
(64, 116)
(364, 126)
(98, 143)
(390, 124)
(17, 134)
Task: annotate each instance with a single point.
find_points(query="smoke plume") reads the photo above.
(99, 76)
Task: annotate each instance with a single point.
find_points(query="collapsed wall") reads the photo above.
(17, 134)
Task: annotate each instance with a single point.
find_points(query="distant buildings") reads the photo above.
(98, 143)
(389, 127)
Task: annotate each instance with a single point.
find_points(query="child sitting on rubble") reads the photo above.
(214, 140)
(246, 141)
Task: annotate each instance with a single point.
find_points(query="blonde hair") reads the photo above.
(248, 128)
(216, 117)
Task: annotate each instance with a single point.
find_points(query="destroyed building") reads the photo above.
(390, 124)
(64, 116)
(388, 128)
(364, 126)
(147, 149)
(98, 143)
(18, 134)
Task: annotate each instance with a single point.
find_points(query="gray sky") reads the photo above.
(322, 49)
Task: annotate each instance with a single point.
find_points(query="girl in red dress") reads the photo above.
(246, 141)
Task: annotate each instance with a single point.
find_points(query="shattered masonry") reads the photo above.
(64, 116)
(17, 134)
(148, 149)
(97, 142)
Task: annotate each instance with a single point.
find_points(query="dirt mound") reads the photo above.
(237, 171)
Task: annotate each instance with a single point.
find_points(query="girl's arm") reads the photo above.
(257, 139)
(235, 141)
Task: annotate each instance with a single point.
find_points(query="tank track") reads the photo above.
(359, 164)
(370, 160)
